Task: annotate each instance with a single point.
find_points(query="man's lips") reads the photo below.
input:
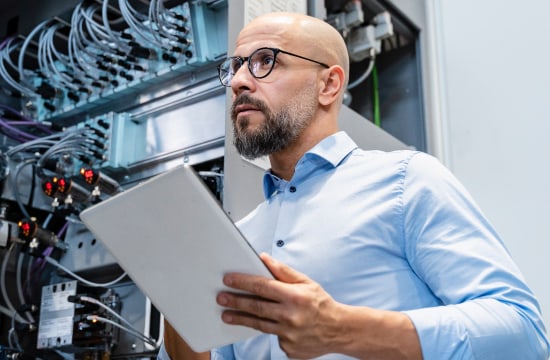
(244, 108)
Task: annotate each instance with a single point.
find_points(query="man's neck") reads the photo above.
(283, 163)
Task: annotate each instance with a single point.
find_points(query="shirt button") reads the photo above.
(292, 189)
(280, 243)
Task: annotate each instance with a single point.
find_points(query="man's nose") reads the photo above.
(242, 80)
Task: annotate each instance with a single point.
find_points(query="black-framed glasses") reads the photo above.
(260, 64)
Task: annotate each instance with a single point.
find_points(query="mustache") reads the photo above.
(246, 99)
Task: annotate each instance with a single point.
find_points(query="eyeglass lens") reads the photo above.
(260, 64)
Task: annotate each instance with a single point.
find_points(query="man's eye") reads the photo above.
(264, 59)
(235, 66)
(267, 60)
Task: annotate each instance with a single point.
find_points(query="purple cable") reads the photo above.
(63, 229)
(18, 122)
(19, 135)
(28, 120)
(4, 42)
(40, 263)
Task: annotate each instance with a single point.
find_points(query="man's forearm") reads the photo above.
(177, 348)
(378, 334)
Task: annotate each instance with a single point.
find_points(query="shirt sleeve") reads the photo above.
(163, 355)
(487, 311)
(223, 353)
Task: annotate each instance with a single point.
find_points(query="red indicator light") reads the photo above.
(62, 185)
(26, 228)
(48, 188)
(90, 176)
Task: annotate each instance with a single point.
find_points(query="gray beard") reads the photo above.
(279, 130)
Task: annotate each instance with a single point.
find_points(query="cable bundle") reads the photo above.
(102, 48)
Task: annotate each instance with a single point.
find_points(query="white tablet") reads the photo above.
(171, 236)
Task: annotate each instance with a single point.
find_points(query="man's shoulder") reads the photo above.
(397, 157)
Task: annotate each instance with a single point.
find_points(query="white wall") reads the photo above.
(493, 68)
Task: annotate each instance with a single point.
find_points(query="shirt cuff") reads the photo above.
(163, 355)
(441, 334)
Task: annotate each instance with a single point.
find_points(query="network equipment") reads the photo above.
(103, 52)
(94, 100)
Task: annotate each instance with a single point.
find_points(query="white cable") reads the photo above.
(9, 47)
(82, 60)
(44, 142)
(60, 56)
(107, 308)
(157, 24)
(3, 279)
(107, 26)
(64, 355)
(147, 329)
(74, 146)
(4, 310)
(38, 143)
(364, 76)
(11, 308)
(12, 333)
(5, 55)
(78, 63)
(210, 174)
(161, 330)
(154, 25)
(132, 18)
(98, 35)
(128, 330)
(147, 318)
(149, 341)
(27, 146)
(49, 59)
(19, 284)
(14, 182)
(22, 75)
(82, 280)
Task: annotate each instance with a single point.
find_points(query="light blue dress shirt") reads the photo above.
(396, 231)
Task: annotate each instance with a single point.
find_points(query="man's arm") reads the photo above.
(309, 323)
(487, 310)
(177, 348)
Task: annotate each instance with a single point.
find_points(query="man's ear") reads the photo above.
(332, 83)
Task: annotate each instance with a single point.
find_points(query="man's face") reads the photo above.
(280, 127)
(269, 114)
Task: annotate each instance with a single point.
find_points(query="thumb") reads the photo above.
(283, 272)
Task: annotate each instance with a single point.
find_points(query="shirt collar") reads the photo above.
(332, 150)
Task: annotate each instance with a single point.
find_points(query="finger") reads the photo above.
(238, 318)
(256, 285)
(252, 305)
(283, 272)
(275, 290)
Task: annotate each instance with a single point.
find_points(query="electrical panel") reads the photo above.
(98, 95)
(96, 98)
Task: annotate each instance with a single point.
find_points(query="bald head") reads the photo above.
(305, 35)
(299, 105)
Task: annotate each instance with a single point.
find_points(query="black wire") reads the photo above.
(15, 190)
(33, 184)
(149, 354)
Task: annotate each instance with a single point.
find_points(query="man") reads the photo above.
(376, 255)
